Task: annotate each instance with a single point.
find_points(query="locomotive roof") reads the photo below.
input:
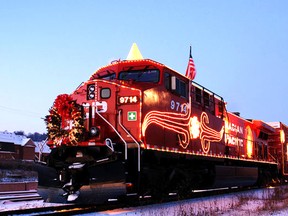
(133, 60)
(119, 65)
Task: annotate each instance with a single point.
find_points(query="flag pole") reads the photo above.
(190, 71)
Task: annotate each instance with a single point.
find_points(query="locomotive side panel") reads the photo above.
(239, 136)
(165, 114)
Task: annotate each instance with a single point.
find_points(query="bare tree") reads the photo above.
(41, 146)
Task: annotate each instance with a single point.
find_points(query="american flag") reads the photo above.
(190, 71)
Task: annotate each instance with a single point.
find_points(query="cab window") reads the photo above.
(151, 76)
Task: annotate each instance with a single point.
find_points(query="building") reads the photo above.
(14, 146)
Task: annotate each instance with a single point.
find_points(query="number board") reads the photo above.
(128, 99)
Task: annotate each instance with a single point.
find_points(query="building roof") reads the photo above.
(12, 138)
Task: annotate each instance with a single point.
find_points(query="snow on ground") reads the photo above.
(269, 201)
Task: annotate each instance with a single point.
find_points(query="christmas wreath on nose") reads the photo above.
(65, 122)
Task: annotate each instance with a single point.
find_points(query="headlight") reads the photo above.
(94, 131)
(90, 92)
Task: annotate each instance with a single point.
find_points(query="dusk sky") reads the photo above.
(47, 48)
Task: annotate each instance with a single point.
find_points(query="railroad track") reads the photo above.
(31, 203)
(73, 209)
(19, 196)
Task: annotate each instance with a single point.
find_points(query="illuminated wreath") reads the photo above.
(63, 111)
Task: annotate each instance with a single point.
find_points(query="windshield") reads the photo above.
(140, 75)
(108, 76)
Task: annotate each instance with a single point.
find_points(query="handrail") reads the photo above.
(275, 160)
(138, 145)
(125, 143)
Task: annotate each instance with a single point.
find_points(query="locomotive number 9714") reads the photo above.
(177, 106)
(128, 99)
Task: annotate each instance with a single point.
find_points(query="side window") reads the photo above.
(167, 81)
(220, 108)
(176, 85)
(181, 88)
(198, 95)
(206, 99)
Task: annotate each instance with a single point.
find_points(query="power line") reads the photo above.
(21, 112)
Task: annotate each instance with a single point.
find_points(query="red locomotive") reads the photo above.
(145, 129)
